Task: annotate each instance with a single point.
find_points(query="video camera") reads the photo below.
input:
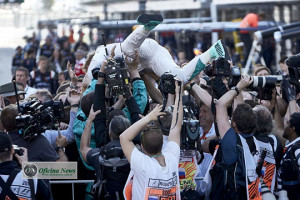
(189, 130)
(167, 83)
(36, 117)
(117, 77)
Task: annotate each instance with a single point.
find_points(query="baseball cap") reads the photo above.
(5, 142)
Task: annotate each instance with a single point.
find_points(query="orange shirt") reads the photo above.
(250, 20)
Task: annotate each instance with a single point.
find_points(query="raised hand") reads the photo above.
(61, 141)
(93, 114)
(245, 81)
(152, 116)
(133, 64)
(112, 52)
(24, 157)
(71, 72)
(177, 87)
(74, 97)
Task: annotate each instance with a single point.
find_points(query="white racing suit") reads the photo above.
(156, 58)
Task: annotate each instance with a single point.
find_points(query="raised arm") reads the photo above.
(154, 93)
(99, 104)
(86, 136)
(225, 101)
(203, 95)
(129, 134)
(174, 134)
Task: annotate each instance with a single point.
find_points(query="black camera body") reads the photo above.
(18, 150)
(219, 67)
(36, 117)
(117, 78)
(234, 77)
(189, 130)
(293, 63)
(167, 83)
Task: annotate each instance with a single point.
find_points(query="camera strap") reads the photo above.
(214, 112)
(165, 98)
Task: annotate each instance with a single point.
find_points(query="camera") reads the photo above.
(36, 117)
(18, 150)
(264, 85)
(234, 77)
(293, 63)
(167, 83)
(219, 67)
(190, 130)
(117, 77)
(265, 81)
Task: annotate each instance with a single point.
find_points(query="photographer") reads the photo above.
(39, 148)
(12, 184)
(134, 104)
(51, 135)
(289, 171)
(269, 143)
(234, 159)
(153, 164)
(112, 178)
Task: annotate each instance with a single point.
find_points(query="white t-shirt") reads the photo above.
(151, 179)
(204, 165)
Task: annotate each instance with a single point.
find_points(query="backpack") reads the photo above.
(113, 175)
(228, 181)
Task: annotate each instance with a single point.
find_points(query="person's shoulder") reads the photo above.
(172, 144)
(139, 157)
(229, 137)
(32, 89)
(172, 148)
(41, 140)
(93, 155)
(230, 131)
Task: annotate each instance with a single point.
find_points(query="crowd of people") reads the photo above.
(167, 131)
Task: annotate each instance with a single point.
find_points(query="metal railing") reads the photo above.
(72, 182)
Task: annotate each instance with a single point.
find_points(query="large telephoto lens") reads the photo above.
(265, 81)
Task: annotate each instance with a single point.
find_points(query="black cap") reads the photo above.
(5, 142)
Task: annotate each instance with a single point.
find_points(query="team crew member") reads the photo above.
(153, 166)
(43, 78)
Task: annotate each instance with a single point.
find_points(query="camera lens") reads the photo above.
(265, 81)
(259, 81)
